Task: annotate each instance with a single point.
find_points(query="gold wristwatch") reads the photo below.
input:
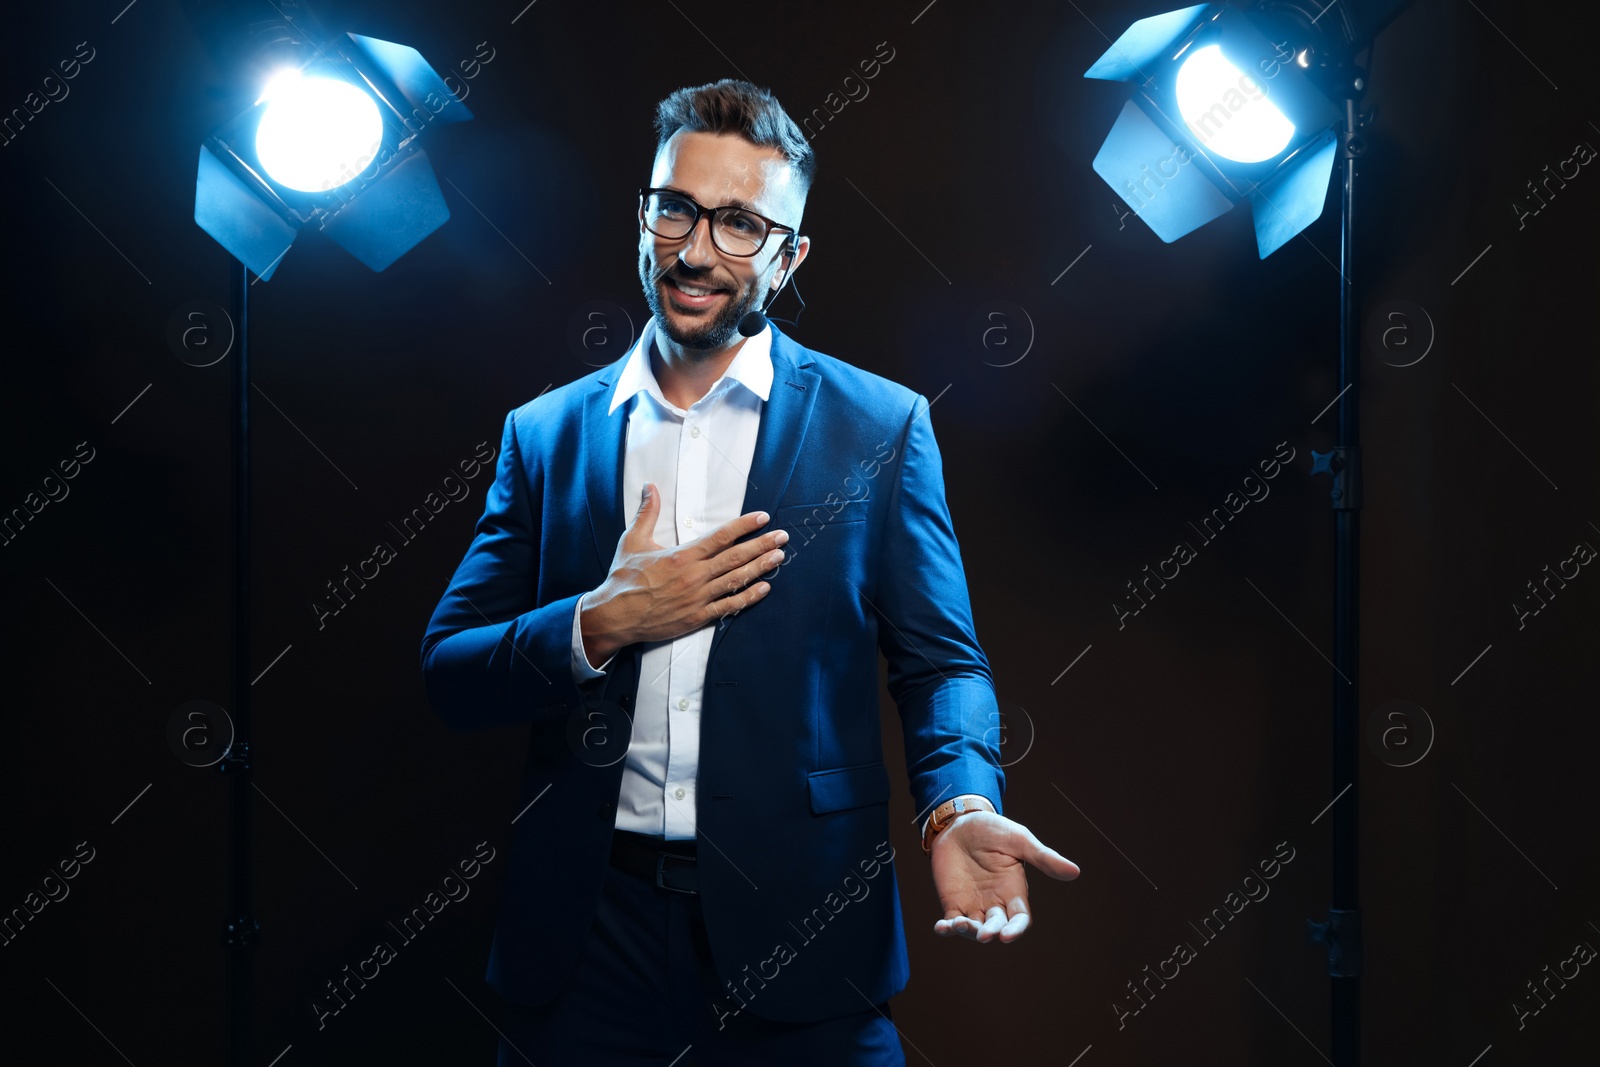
(946, 813)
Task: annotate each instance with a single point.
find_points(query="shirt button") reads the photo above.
(694, 431)
(678, 792)
(688, 522)
(683, 703)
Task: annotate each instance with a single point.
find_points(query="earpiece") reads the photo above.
(756, 321)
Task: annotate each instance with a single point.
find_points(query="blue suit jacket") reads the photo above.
(792, 793)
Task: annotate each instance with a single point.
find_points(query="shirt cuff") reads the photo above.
(582, 669)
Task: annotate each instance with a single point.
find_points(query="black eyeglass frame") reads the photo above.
(710, 212)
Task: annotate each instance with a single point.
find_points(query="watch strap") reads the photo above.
(946, 813)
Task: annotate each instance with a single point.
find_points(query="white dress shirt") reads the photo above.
(699, 460)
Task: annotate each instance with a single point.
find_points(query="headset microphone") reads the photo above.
(756, 321)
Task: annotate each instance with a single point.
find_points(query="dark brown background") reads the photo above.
(1195, 739)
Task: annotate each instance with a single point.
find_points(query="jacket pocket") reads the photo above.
(848, 787)
(813, 516)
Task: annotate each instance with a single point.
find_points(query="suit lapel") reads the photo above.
(603, 439)
(602, 453)
(779, 438)
(784, 420)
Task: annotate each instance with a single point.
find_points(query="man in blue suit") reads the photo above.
(701, 870)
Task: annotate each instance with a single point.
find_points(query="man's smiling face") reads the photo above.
(715, 169)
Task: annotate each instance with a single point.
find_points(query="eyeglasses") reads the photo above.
(734, 230)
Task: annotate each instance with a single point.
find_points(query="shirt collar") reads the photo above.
(751, 367)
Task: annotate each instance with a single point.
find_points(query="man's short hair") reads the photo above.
(734, 106)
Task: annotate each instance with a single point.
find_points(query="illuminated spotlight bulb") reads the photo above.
(1227, 110)
(317, 133)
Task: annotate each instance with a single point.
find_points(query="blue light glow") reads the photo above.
(1228, 111)
(316, 133)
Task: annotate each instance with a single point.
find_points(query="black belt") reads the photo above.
(670, 865)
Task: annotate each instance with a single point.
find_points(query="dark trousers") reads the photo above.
(643, 992)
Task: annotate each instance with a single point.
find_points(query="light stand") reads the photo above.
(240, 931)
(1286, 195)
(1341, 931)
(332, 143)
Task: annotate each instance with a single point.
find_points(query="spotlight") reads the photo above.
(331, 142)
(1259, 132)
(316, 133)
(1228, 108)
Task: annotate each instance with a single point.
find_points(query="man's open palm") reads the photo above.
(982, 883)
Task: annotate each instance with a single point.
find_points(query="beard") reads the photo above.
(706, 334)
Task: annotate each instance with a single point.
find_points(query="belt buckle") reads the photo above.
(661, 876)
